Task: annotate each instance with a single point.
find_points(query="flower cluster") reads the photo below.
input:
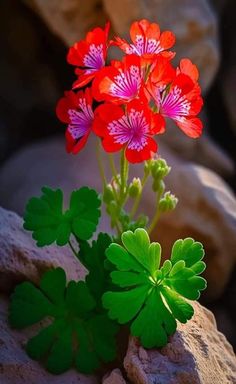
(127, 102)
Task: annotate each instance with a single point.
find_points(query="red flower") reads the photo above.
(132, 130)
(147, 40)
(89, 55)
(120, 82)
(75, 109)
(181, 99)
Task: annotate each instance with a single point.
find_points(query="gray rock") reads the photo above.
(20, 259)
(17, 368)
(115, 377)
(196, 354)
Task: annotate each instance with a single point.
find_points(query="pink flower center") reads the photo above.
(131, 130)
(94, 59)
(126, 85)
(80, 121)
(143, 45)
(173, 104)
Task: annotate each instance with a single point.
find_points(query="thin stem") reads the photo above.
(124, 172)
(156, 216)
(100, 164)
(113, 167)
(73, 249)
(138, 198)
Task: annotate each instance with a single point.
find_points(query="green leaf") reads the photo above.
(44, 216)
(93, 258)
(77, 333)
(153, 297)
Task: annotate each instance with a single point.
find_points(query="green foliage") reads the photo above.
(44, 216)
(78, 335)
(152, 296)
(93, 258)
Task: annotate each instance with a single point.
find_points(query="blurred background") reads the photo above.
(35, 35)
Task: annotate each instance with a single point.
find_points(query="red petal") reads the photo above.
(134, 156)
(74, 146)
(188, 68)
(167, 39)
(109, 144)
(69, 101)
(192, 127)
(183, 82)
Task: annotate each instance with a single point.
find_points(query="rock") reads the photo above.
(194, 24)
(71, 19)
(20, 259)
(206, 209)
(17, 368)
(115, 377)
(196, 354)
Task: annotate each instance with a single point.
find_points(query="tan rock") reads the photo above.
(69, 19)
(196, 354)
(115, 377)
(17, 368)
(20, 259)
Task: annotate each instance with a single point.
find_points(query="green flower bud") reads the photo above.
(108, 194)
(159, 169)
(135, 187)
(168, 202)
(142, 221)
(158, 186)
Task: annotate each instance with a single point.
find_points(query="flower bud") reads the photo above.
(135, 187)
(159, 169)
(168, 202)
(158, 186)
(108, 194)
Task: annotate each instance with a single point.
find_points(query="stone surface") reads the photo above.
(206, 209)
(196, 354)
(115, 377)
(71, 18)
(20, 259)
(17, 368)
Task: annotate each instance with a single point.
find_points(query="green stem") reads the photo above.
(157, 214)
(138, 198)
(113, 167)
(100, 164)
(73, 249)
(124, 172)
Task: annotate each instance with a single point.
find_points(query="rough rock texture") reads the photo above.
(196, 354)
(206, 209)
(17, 368)
(115, 377)
(71, 18)
(20, 259)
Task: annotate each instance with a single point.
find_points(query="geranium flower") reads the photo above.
(147, 40)
(132, 130)
(75, 109)
(120, 82)
(181, 100)
(89, 55)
